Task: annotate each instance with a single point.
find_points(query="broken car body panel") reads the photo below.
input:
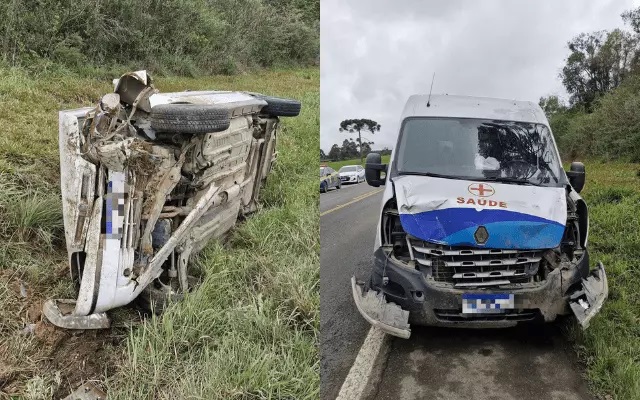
(138, 202)
(479, 225)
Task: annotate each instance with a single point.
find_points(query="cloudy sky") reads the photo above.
(375, 53)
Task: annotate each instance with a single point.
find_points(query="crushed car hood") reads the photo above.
(450, 212)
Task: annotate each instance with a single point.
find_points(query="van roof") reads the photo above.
(473, 107)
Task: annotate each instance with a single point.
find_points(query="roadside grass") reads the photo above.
(610, 347)
(251, 328)
(355, 161)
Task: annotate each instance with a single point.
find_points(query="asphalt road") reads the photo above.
(522, 363)
(530, 362)
(346, 243)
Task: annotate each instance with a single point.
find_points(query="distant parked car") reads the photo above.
(351, 174)
(329, 178)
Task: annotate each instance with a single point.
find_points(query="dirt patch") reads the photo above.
(89, 355)
(65, 359)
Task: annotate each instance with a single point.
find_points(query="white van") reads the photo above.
(479, 225)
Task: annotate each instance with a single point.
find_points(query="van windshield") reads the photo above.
(477, 149)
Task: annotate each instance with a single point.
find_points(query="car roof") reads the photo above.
(473, 107)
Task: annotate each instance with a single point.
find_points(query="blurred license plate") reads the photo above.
(481, 303)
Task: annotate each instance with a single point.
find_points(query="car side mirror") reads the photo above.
(373, 169)
(576, 175)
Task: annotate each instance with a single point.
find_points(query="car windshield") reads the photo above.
(323, 171)
(477, 149)
(348, 168)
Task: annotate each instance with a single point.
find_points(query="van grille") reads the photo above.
(468, 267)
(508, 315)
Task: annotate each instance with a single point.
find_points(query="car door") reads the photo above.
(326, 177)
(333, 177)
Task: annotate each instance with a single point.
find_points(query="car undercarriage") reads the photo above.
(147, 180)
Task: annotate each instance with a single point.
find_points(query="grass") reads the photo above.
(249, 331)
(611, 345)
(355, 161)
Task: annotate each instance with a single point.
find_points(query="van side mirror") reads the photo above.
(373, 169)
(576, 175)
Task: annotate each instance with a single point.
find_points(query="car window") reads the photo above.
(348, 168)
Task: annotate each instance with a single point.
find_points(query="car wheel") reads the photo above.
(323, 187)
(278, 106)
(339, 185)
(189, 118)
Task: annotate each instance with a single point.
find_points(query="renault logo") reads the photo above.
(481, 235)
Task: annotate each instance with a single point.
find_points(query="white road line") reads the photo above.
(357, 381)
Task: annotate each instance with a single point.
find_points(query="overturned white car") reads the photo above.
(147, 179)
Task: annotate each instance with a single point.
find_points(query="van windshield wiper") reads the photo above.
(431, 174)
(507, 180)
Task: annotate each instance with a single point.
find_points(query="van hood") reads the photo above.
(450, 212)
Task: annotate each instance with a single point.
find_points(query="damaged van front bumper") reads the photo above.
(388, 317)
(398, 295)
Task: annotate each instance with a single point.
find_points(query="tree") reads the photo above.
(349, 149)
(334, 153)
(599, 61)
(366, 147)
(323, 156)
(551, 105)
(359, 125)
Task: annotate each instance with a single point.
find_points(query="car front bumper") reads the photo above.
(405, 295)
(349, 179)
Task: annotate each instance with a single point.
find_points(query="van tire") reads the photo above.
(279, 107)
(189, 118)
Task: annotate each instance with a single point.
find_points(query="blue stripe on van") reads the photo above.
(507, 229)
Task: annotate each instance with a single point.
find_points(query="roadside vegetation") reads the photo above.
(185, 37)
(610, 347)
(355, 161)
(249, 331)
(600, 125)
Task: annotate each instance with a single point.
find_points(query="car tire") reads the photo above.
(323, 187)
(279, 107)
(189, 118)
(339, 185)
